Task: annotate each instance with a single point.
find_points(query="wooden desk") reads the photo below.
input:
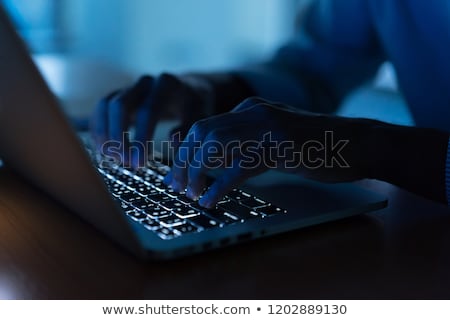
(402, 252)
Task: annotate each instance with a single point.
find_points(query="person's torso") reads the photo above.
(415, 36)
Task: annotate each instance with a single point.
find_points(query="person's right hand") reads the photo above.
(142, 106)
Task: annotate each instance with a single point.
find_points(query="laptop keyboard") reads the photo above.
(146, 199)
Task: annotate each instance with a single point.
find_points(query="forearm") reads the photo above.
(280, 81)
(271, 81)
(411, 158)
(229, 90)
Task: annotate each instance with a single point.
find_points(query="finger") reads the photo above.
(99, 121)
(193, 142)
(177, 135)
(120, 110)
(249, 103)
(210, 156)
(231, 177)
(218, 150)
(149, 112)
(184, 154)
(168, 179)
(123, 104)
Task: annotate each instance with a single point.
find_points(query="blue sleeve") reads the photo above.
(335, 49)
(447, 173)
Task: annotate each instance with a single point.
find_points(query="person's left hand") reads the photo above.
(259, 135)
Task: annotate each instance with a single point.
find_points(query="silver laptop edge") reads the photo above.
(37, 141)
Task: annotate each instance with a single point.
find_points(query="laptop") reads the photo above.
(133, 207)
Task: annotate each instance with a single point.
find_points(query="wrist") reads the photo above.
(411, 158)
(378, 141)
(364, 141)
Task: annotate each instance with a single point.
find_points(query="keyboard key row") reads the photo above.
(146, 199)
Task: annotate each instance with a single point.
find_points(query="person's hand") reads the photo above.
(259, 135)
(142, 106)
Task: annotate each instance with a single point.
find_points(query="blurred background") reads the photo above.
(88, 48)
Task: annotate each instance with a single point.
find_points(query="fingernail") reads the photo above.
(135, 162)
(204, 202)
(176, 186)
(168, 179)
(191, 194)
(126, 162)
